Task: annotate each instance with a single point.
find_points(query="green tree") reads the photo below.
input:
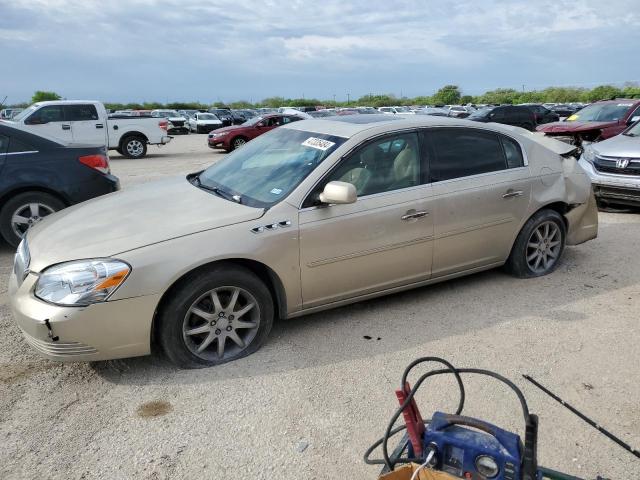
(604, 92)
(42, 96)
(448, 95)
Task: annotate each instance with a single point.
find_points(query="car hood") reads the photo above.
(574, 126)
(619, 146)
(138, 216)
(205, 122)
(231, 128)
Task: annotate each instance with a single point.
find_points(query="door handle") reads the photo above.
(513, 193)
(99, 125)
(410, 216)
(66, 126)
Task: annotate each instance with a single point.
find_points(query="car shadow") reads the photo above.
(408, 319)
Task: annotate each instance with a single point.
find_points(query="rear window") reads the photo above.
(462, 152)
(79, 113)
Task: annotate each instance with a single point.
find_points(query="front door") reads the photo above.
(481, 188)
(50, 122)
(381, 241)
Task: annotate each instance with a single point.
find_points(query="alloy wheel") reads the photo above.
(28, 215)
(221, 323)
(543, 247)
(239, 142)
(135, 148)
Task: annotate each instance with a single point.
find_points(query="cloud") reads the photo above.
(206, 49)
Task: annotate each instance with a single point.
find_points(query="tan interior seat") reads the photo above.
(405, 168)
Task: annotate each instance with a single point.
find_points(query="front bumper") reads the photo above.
(103, 331)
(623, 189)
(217, 142)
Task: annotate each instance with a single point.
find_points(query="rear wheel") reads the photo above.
(134, 147)
(215, 317)
(23, 211)
(539, 245)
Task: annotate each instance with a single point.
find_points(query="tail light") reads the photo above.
(163, 124)
(97, 162)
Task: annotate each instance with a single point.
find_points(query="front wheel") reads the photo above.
(23, 211)
(215, 317)
(539, 245)
(238, 142)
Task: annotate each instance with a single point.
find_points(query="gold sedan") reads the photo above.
(312, 215)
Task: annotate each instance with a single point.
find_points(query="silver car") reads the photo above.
(614, 168)
(312, 215)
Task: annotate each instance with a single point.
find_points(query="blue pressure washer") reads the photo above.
(465, 447)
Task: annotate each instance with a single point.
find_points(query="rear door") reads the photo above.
(481, 186)
(86, 125)
(50, 121)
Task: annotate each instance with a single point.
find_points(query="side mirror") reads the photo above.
(633, 120)
(339, 193)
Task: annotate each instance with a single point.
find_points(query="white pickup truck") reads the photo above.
(87, 122)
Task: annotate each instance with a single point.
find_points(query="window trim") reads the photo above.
(525, 159)
(423, 180)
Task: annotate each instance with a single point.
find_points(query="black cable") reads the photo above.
(390, 431)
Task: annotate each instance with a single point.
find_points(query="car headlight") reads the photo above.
(589, 154)
(81, 283)
(219, 134)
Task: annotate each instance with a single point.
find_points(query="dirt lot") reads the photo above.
(311, 401)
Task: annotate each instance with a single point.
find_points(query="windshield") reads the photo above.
(602, 112)
(634, 131)
(167, 113)
(267, 169)
(253, 121)
(207, 116)
(24, 113)
(483, 112)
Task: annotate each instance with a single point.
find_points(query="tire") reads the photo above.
(134, 146)
(22, 206)
(237, 143)
(212, 323)
(526, 260)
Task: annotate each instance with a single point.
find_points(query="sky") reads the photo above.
(210, 50)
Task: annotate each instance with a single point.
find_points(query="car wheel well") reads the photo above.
(260, 270)
(5, 197)
(128, 135)
(561, 207)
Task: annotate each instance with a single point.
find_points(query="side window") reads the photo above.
(50, 113)
(274, 121)
(461, 152)
(512, 153)
(81, 113)
(383, 165)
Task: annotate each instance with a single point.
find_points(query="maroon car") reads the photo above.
(230, 138)
(598, 121)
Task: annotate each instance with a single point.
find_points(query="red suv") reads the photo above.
(236, 136)
(598, 121)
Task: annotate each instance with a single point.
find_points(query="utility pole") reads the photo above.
(334, 99)
(348, 99)
(523, 88)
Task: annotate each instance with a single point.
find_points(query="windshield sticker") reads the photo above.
(318, 143)
(276, 191)
(624, 104)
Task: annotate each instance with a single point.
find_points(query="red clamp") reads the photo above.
(412, 419)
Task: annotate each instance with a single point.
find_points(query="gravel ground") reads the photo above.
(312, 400)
